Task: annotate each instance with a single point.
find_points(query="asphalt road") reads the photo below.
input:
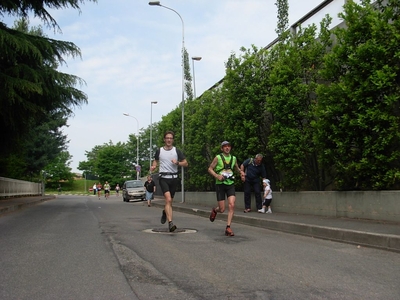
(79, 247)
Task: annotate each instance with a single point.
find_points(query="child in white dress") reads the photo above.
(267, 198)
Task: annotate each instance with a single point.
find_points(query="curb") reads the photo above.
(387, 242)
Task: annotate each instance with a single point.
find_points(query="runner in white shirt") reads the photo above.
(169, 159)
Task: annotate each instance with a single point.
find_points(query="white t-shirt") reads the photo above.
(165, 156)
(267, 192)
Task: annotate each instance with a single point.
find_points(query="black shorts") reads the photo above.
(168, 185)
(223, 189)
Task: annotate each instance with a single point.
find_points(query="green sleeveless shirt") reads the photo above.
(219, 169)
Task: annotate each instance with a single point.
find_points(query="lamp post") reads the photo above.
(157, 3)
(194, 80)
(151, 130)
(137, 145)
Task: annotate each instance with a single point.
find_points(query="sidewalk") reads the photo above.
(13, 204)
(381, 235)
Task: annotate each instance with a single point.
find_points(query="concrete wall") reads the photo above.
(372, 205)
(13, 187)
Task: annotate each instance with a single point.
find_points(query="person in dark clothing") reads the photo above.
(253, 170)
(150, 189)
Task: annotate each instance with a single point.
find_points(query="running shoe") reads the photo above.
(163, 217)
(229, 232)
(213, 214)
(171, 227)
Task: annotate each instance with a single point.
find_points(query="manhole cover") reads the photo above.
(165, 230)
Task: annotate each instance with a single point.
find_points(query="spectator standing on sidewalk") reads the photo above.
(221, 168)
(117, 188)
(253, 169)
(169, 158)
(94, 188)
(150, 189)
(267, 198)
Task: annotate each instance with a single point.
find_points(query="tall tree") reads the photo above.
(31, 88)
(187, 76)
(22, 8)
(58, 169)
(283, 18)
(110, 162)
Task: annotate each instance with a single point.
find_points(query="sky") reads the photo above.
(131, 56)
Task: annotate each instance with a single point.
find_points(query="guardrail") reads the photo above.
(14, 187)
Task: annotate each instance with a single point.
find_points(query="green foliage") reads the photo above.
(109, 162)
(245, 89)
(268, 103)
(45, 142)
(22, 8)
(187, 76)
(283, 18)
(202, 138)
(358, 110)
(144, 147)
(58, 169)
(291, 101)
(36, 99)
(76, 186)
(322, 121)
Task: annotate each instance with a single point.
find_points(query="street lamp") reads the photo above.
(194, 80)
(151, 130)
(157, 3)
(137, 145)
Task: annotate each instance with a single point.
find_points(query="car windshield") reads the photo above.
(134, 184)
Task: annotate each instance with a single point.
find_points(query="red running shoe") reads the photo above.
(213, 214)
(229, 232)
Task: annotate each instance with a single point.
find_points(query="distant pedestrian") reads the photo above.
(267, 198)
(117, 188)
(59, 189)
(253, 170)
(221, 168)
(94, 189)
(150, 189)
(98, 188)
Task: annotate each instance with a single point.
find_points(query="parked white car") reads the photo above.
(133, 189)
